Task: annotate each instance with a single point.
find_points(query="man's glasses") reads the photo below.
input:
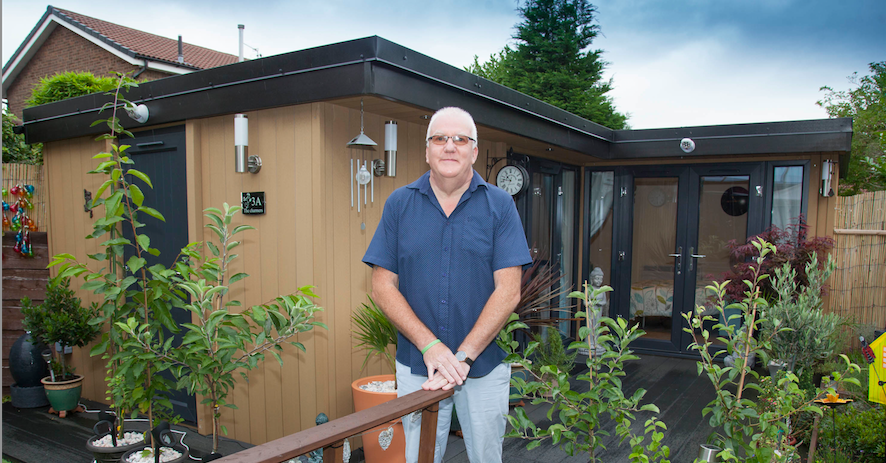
(459, 140)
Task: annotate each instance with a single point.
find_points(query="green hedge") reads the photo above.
(69, 85)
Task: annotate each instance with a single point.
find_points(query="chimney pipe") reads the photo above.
(181, 51)
(241, 26)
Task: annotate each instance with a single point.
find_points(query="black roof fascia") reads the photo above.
(368, 66)
(490, 104)
(375, 66)
(819, 135)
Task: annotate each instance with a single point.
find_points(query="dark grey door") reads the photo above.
(160, 154)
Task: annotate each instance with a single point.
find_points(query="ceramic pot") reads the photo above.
(63, 395)
(372, 449)
(25, 362)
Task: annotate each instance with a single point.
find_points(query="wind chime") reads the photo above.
(20, 222)
(361, 143)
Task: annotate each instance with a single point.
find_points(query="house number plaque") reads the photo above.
(253, 203)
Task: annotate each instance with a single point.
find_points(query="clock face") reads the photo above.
(512, 179)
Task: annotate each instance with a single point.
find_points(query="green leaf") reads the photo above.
(152, 212)
(137, 196)
(144, 241)
(141, 176)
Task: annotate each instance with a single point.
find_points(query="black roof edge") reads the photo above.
(366, 66)
(375, 66)
(816, 135)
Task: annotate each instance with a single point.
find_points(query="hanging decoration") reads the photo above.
(19, 206)
(361, 143)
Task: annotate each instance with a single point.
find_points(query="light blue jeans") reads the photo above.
(481, 403)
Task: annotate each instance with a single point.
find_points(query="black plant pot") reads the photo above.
(110, 454)
(184, 451)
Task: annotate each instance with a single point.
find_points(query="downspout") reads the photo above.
(140, 70)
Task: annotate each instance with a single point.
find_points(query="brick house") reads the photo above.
(65, 41)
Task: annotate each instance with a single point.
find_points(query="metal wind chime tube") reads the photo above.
(362, 177)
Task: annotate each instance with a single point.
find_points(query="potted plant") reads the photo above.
(550, 352)
(221, 341)
(376, 334)
(131, 291)
(62, 319)
(800, 332)
(752, 428)
(581, 422)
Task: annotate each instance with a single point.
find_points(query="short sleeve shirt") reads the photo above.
(445, 264)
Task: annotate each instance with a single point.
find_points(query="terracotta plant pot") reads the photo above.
(372, 450)
(63, 395)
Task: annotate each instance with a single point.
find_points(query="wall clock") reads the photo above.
(513, 179)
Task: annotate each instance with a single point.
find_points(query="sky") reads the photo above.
(673, 63)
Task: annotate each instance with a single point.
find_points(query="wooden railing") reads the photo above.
(330, 436)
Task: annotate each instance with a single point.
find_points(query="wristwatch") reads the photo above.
(462, 356)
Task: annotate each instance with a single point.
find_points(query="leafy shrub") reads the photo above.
(794, 248)
(551, 352)
(69, 85)
(60, 319)
(800, 332)
(858, 433)
(14, 147)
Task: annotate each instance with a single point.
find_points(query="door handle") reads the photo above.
(678, 263)
(694, 256)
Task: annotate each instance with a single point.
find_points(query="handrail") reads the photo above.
(330, 436)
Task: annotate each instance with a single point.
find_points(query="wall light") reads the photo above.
(242, 160)
(827, 175)
(390, 165)
(138, 113)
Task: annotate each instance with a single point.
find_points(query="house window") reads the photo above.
(787, 195)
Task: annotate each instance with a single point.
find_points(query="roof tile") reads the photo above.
(153, 46)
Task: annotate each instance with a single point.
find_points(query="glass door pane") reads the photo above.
(653, 265)
(600, 222)
(724, 203)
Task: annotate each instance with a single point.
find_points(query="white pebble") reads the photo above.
(166, 454)
(379, 386)
(129, 438)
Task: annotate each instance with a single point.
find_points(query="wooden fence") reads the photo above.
(22, 276)
(27, 174)
(858, 287)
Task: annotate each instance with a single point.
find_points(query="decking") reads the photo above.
(34, 436)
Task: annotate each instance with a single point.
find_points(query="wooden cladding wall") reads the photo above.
(22, 277)
(309, 235)
(66, 163)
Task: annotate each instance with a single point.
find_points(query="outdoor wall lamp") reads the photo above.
(242, 160)
(827, 175)
(138, 113)
(388, 166)
(687, 145)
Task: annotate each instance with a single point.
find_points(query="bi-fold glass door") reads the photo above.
(668, 227)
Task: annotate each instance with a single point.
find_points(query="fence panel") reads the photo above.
(27, 174)
(858, 287)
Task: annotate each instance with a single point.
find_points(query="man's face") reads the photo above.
(450, 160)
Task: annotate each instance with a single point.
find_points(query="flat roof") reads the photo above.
(385, 72)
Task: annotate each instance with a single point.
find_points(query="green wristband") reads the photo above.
(435, 341)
